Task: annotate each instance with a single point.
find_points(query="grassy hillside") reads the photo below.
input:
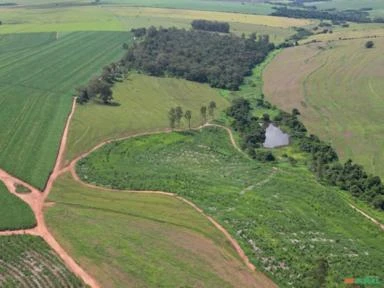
(26, 261)
(337, 89)
(38, 75)
(284, 219)
(14, 213)
(143, 240)
(144, 104)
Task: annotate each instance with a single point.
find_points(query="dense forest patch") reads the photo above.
(220, 60)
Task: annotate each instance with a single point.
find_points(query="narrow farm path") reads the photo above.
(36, 199)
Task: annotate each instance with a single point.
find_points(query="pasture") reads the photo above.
(14, 213)
(283, 218)
(26, 261)
(39, 73)
(337, 88)
(144, 102)
(143, 240)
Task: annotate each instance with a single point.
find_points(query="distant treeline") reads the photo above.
(220, 60)
(213, 26)
(360, 16)
(324, 161)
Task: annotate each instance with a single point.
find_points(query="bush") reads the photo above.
(369, 44)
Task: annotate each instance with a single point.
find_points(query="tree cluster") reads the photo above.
(327, 167)
(345, 15)
(220, 60)
(250, 128)
(176, 114)
(213, 26)
(101, 87)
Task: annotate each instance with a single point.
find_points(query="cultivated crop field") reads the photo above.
(164, 242)
(39, 73)
(144, 102)
(26, 261)
(123, 18)
(277, 214)
(14, 213)
(337, 89)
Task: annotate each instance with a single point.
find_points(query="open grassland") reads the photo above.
(122, 18)
(143, 240)
(144, 105)
(26, 261)
(284, 219)
(337, 88)
(38, 75)
(14, 213)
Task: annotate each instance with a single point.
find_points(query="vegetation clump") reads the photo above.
(220, 60)
(213, 26)
(369, 44)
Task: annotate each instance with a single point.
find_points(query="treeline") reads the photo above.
(213, 26)
(250, 128)
(220, 60)
(345, 15)
(101, 87)
(323, 159)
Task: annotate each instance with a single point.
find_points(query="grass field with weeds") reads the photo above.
(144, 102)
(39, 73)
(14, 213)
(336, 87)
(27, 261)
(284, 219)
(143, 240)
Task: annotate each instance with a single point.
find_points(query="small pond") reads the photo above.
(274, 137)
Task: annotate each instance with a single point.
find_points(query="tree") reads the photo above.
(203, 112)
(295, 112)
(172, 117)
(369, 44)
(188, 116)
(266, 117)
(82, 95)
(178, 114)
(211, 109)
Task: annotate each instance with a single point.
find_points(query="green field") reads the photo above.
(337, 89)
(257, 7)
(123, 18)
(144, 104)
(284, 219)
(143, 240)
(14, 213)
(26, 261)
(38, 75)
(376, 5)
